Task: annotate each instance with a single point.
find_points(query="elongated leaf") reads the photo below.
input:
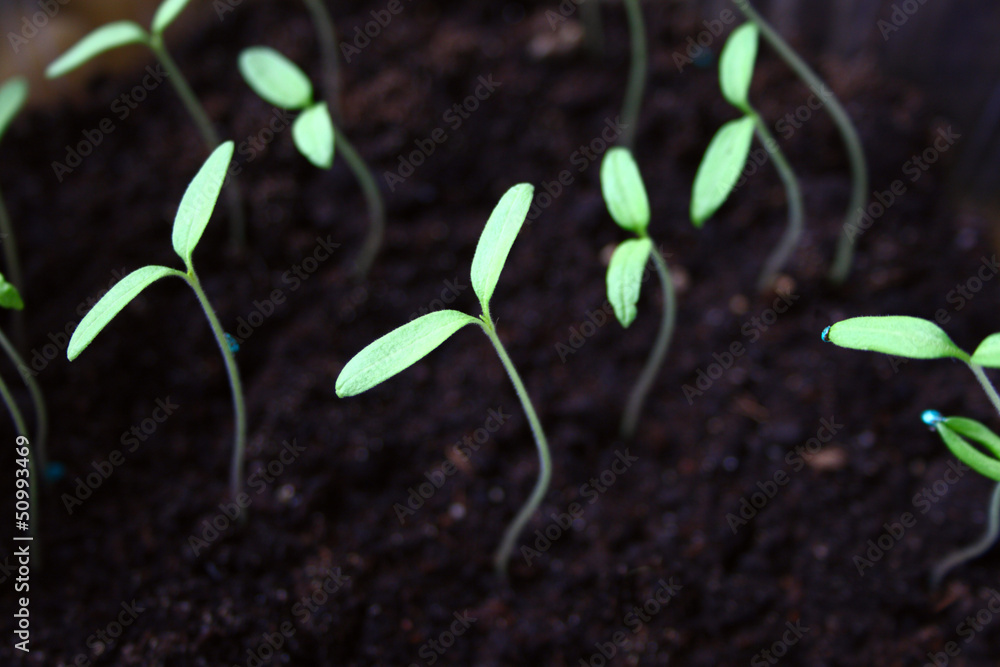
(625, 277)
(988, 352)
(112, 303)
(497, 238)
(12, 97)
(736, 65)
(967, 454)
(976, 431)
(312, 132)
(899, 335)
(166, 13)
(9, 296)
(275, 78)
(398, 350)
(105, 38)
(624, 192)
(199, 201)
(720, 168)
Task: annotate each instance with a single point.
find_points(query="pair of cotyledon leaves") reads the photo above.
(403, 347)
(280, 82)
(917, 338)
(192, 217)
(727, 153)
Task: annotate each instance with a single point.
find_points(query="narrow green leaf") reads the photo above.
(625, 277)
(967, 454)
(988, 352)
(977, 431)
(112, 303)
(720, 168)
(398, 350)
(899, 335)
(736, 65)
(9, 296)
(199, 201)
(105, 38)
(12, 97)
(275, 78)
(166, 13)
(624, 192)
(313, 134)
(497, 238)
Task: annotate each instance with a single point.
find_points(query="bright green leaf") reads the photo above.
(199, 201)
(9, 296)
(112, 303)
(988, 352)
(625, 277)
(12, 97)
(497, 238)
(275, 78)
(967, 454)
(312, 132)
(720, 168)
(736, 65)
(977, 431)
(166, 13)
(105, 38)
(624, 192)
(899, 335)
(398, 350)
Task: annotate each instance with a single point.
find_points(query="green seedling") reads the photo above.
(326, 35)
(123, 33)
(192, 217)
(13, 95)
(727, 153)
(916, 338)
(400, 349)
(625, 196)
(848, 133)
(280, 82)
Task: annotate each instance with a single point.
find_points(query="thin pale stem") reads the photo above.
(636, 74)
(12, 263)
(852, 142)
(234, 199)
(658, 354)
(40, 445)
(19, 426)
(326, 34)
(544, 458)
(239, 409)
(985, 383)
(793, 231)
(376, 209)
(593, 29)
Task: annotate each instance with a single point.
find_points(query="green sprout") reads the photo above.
(628, 205)
(326, 34)
(280, 82)
(403, 347)
(123, 33)
(848, 133)
(192, 217)
(728, 151)
(916, 338)
(13, 95)
(637, 72)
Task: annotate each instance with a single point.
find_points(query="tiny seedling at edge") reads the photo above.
(625, 196)
(192, 217)
(400, 349)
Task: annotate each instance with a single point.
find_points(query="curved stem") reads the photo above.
(793, 232)
(19, 426)
(636, 74)
(544, 458)
(974, 550)
(40, 445)
(637, 397)
(237, 223)
(326, 34)
(848, 133)
(985, 383)
(239, 409)
(12, 263)
(376, 209)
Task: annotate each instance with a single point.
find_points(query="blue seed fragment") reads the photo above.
(233, 345)
(825, 335)
(931, 417)
(54, 472)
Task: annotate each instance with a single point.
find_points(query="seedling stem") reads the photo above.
(637, 73)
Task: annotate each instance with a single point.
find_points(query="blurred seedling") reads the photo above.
(123, 33)
(625, 196)
(13, 95)
(400, 349)
(916, 338)
(279, 81)
(192, 217)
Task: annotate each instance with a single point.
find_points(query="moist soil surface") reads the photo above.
(732, 524)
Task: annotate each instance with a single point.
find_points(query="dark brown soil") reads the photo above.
(330, 508)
